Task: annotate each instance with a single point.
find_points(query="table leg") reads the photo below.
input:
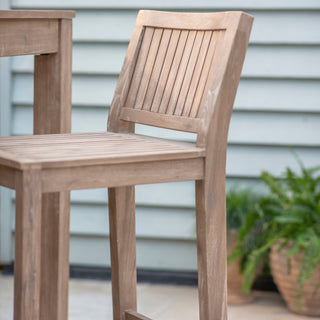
(27, 246)
(52, 114)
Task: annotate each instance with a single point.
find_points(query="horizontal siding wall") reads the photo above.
(277, 111)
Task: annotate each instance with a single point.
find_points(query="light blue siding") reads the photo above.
(277, 110)
(5, 129)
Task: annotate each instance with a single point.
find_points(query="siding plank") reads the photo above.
(151, 222)
(117, 26)
(168, 4)
(262, 61)
(151, 254)
(253, 94)
(249, 128)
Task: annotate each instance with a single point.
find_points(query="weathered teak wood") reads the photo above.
(132, 315)
(201, 88)
(52, 114)
(181, 72)
(48, 33)
(123, 249)
(27, 245)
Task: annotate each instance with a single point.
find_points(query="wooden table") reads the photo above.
(48, 35)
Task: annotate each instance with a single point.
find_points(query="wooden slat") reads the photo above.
(117, 175)
(80, 149)
(204, 78)
(173, 71)
(197, 74)
(190, 69)
(160, 120)
(148, 68)
(213, 68)
(36, 14)
(32, 36)
(157, 68)
(181, 73)
(165, 70)
(139, 67)
(133, 315)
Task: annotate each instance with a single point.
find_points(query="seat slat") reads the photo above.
(73, 149)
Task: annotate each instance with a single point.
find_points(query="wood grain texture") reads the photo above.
(183, 64)
(132, 315)
(30, 36)
(27, 246)
(54, 256)
(52, 114)
(123, 250)
(122, 174)
(52, 86)
(37, 14)
(210, 192)
(70, 150)
(161, 120)
(187, 20)
(49, 33)
(181, 71)
(7, 177)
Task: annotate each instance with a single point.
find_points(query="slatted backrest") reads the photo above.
(175, 64)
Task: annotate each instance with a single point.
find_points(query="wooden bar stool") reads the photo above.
(181, 72)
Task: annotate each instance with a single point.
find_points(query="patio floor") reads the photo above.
(92, 300)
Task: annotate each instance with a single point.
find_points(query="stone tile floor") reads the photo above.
(90, 299)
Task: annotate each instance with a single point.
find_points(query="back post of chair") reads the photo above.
(181, 72)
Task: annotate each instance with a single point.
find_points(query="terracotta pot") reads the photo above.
(235, 278)
(285, 272)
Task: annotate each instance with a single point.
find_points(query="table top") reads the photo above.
(37, 14)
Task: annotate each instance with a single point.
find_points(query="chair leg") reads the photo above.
(55, 256)
(211, 247)
(27, 246)
(123, 250)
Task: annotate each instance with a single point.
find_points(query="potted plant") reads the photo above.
(239, 203)
(289, 221)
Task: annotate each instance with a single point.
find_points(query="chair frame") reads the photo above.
(206, 164)
(212, 133)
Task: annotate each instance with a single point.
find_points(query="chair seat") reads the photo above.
(69, 150)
